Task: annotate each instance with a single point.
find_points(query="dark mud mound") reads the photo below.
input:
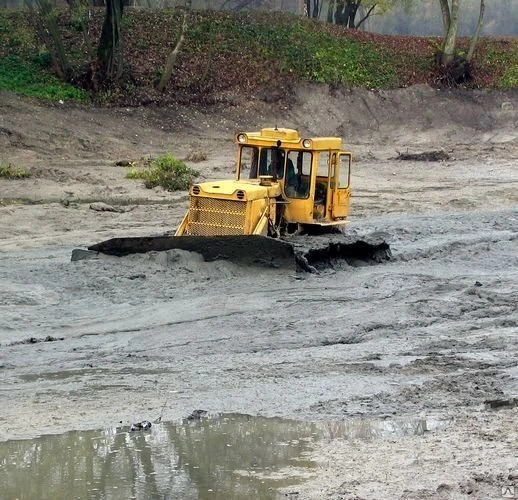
(334, 254)
(425, 156)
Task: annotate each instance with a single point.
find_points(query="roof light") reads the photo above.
(306, 143)
(242, 138)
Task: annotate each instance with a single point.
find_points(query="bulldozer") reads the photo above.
(284, 184)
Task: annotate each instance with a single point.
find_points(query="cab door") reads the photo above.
(341, 164)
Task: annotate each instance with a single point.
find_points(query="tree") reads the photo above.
(476, 35)
(173, 55)
(346, 12)
(48, 28)
(450, 22)
(450, 19)
(312, 8)
(110, 61)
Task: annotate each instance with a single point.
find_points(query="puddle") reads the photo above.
(219, 457)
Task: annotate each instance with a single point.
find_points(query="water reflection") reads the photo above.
(220, 457)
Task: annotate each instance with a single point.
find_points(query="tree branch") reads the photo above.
(366, 16)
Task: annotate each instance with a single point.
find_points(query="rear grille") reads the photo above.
(213, 217)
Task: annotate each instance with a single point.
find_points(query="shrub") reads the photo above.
(166, 172)
(10, 172)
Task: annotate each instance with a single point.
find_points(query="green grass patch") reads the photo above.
(167, 172)
(10, 172)
(506, 62)
(31, 79)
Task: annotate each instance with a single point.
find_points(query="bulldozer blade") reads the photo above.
(244, 250)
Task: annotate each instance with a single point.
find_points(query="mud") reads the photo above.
(430, 333)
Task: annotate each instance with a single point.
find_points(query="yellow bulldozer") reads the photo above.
(284, 184)
(282, 181)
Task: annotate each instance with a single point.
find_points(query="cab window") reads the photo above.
(344, 173)
(271, 162)
(298, 174)
(323, 164)
(248, 161)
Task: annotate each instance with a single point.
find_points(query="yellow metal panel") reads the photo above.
(299, 210)
(284, 134)
(341, 199)
(228, 189)
(215, 217)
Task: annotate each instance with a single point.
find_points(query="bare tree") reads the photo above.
(313, 8)
(450, 17)
(49, 30)
(173, 55)
(476, 35)
(353, 13)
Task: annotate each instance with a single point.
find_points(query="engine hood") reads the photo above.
(243, 190)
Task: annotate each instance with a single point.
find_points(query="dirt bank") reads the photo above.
(432, 333)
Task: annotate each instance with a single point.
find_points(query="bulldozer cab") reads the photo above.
(314, 174)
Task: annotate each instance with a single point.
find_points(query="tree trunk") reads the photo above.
(345, 12)
(109, 53)
(51, 34)
(316, 9)
(331, 9)
(446, 18)
(476, 35)
(352, 10)
(341, 12)
(450, 40)
(173, 56)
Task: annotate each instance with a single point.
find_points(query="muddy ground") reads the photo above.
(433, 333)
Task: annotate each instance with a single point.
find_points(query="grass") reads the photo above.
(11, 172)
(31, 78)
(504, 59)
(167, 172)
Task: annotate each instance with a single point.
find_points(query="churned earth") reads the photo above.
(430, 334)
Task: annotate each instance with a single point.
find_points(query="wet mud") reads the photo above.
(428, 334)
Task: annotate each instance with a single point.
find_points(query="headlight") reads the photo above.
(306, 143)
(242, 138)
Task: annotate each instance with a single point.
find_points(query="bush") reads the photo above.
(10, 172)
(166, 172)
